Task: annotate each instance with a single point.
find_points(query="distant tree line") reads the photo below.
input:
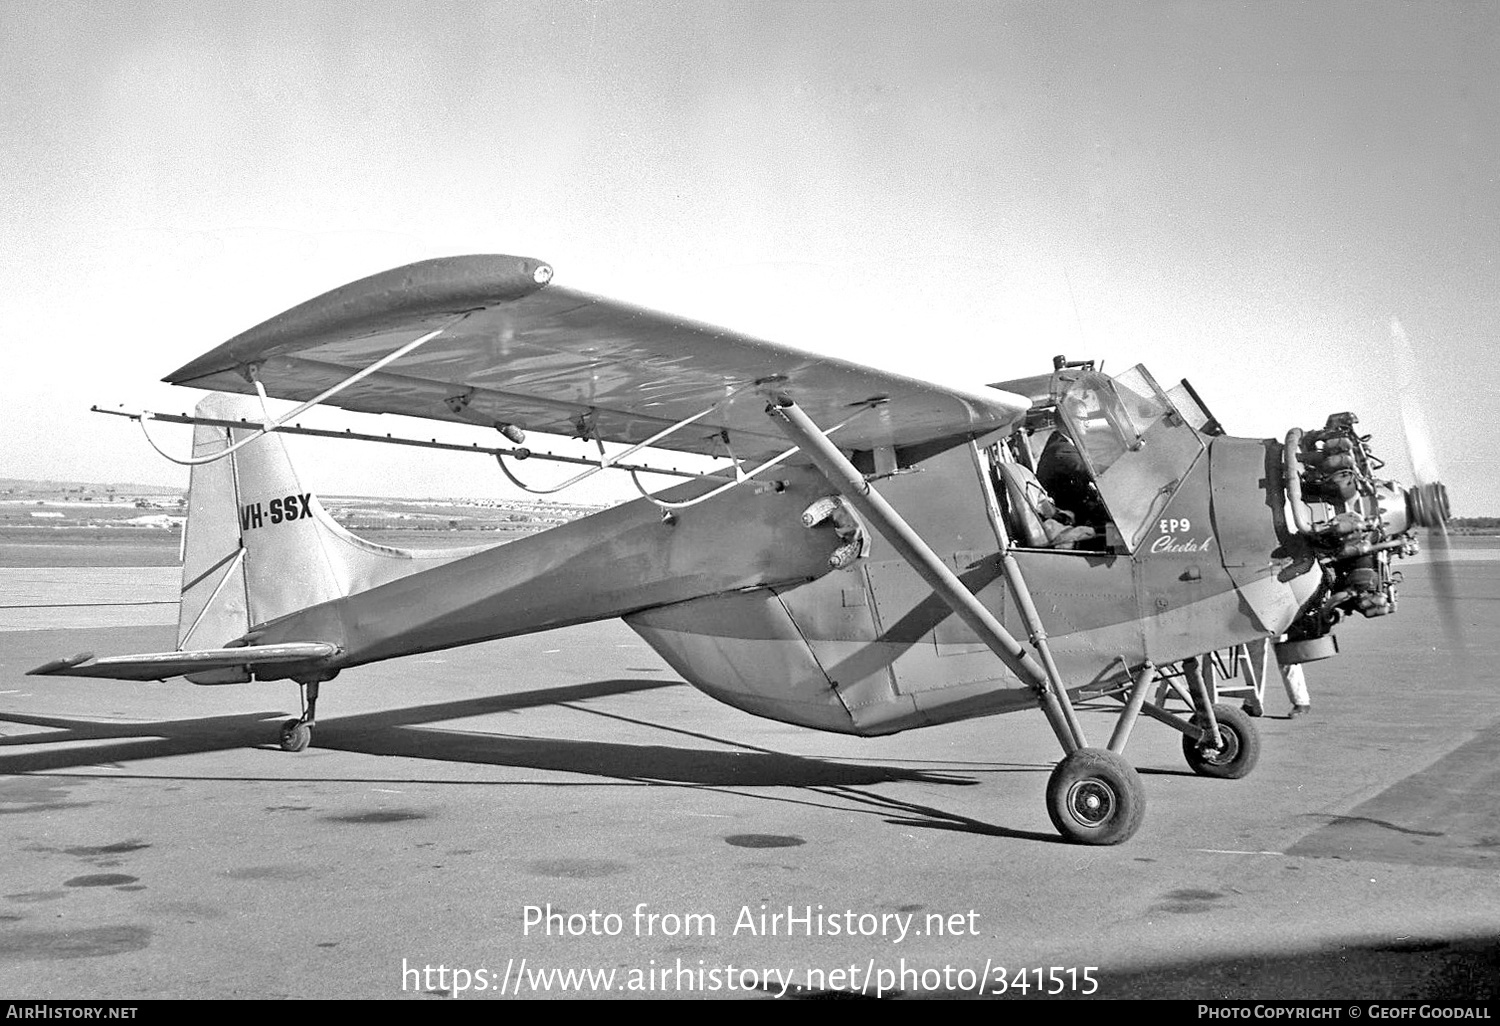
(1477, 524)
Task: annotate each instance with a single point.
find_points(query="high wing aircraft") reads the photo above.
(866, 562)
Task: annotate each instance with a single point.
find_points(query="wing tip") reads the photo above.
(427, 288)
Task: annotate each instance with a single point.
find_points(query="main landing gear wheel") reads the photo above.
(1238, 755)
(1095, 797)
(295, 735)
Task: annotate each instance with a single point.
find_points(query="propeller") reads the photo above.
(1427, 501)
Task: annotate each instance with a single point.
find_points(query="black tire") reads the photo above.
(1095, 797)
(1241, 748)
(295, 736)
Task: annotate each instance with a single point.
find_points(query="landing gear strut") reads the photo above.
(1095, 797)
(297, 734)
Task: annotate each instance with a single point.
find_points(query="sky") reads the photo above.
(1242, 194)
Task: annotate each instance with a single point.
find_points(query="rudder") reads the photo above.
(258, 544)
(236, 573)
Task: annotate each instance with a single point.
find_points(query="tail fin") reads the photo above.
(258, 544)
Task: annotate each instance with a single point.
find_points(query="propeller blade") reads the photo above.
(1445, 593)
(1418, 441)
(1427, 502)
(1413, 420)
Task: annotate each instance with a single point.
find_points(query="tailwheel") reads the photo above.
(1236, 757)
(295, 735)
(1095, 797)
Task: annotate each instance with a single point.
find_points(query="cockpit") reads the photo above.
(1097, 458)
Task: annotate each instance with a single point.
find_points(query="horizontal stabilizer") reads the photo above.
(161, 665)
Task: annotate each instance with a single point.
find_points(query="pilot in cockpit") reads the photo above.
(1062, 471)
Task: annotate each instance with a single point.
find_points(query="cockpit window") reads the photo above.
(1188, 403)
(1141, 400)
(1134, 442)
(1097, 421)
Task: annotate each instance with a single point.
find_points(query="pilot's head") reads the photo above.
(1083, 403)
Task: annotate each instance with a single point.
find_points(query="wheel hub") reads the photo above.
(1091, 801)
(1226, 752)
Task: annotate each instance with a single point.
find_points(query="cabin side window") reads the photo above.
(1045, 492)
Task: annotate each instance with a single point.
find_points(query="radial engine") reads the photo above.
(1355, 522)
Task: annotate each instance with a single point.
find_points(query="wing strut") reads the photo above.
(611, 462)
(845, 477)
(607, 462)
(740, 476)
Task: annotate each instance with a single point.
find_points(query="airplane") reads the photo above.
(865, 561)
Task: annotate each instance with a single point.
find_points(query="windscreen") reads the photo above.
(1135, 442)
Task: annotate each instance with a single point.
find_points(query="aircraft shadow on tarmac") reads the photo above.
(399, 732)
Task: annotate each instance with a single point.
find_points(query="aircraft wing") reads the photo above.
(559, 361)
(161, 665)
